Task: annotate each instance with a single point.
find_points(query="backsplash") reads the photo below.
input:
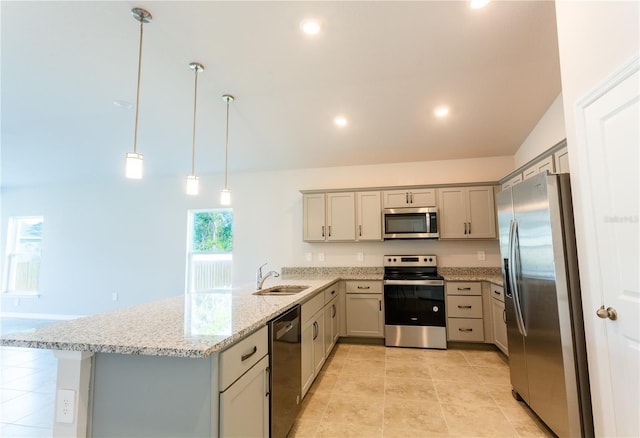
(313, 272)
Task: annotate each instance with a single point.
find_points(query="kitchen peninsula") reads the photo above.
(157, 369)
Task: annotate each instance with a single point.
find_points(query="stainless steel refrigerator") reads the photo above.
(547, 353)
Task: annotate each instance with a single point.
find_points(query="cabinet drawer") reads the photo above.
(465, 329)
(363, 287)
(311, 307)
(463, 288)
(330, 293)
(461, 306)
(238, 358)
(497, 292)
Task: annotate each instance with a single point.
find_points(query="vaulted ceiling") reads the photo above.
(384, 66)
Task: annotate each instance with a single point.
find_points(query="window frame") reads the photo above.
(216, 255)
(9, 280)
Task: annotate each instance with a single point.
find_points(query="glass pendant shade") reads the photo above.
(225, 197)
(193, 185)
(133, 168)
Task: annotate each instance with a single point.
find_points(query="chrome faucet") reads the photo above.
(260, 279)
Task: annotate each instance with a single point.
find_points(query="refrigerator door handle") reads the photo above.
(514, 256)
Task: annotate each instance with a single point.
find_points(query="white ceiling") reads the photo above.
(383, 65)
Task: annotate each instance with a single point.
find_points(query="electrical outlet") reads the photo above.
(66, 406)
(360, 256)
(114, 296)
(481, 255)
(321, 256)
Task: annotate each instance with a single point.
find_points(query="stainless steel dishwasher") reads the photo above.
(285, 349)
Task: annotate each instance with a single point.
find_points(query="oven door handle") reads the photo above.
(414, 282)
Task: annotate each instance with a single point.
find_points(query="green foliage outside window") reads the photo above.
(212, 231)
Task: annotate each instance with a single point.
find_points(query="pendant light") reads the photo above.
(134, 159)
(192, 180)
(225, 193)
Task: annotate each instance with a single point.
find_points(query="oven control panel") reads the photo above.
(410, 260)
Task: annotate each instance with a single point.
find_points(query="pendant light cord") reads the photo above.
(135, 134)
(193, 144)
(226, 149)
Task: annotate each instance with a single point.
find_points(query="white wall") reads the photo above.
(129, 237)
(548, 132)
(595, 39)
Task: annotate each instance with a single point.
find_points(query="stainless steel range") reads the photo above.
(414, 302)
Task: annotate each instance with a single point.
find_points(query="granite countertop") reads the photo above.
(492, 275)
(200, 324)
(193, 325)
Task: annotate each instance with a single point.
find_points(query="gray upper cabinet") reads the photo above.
(409, 198)
(368, 216)
(467, 213)
(329, 217)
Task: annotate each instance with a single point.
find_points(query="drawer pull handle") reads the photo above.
(465, 329)
(364, 287)
(464, 307)
(464, 288)
(496, 292)
(333, 292)
(248, 355)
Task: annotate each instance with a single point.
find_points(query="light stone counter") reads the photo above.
(194, 326)
(492, 275)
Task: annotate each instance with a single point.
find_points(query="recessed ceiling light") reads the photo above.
(310, 27)
(442, 111)
(478, 4)
(340, 121)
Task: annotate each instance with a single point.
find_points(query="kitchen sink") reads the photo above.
(284, 289)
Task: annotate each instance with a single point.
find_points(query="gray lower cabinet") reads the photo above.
(225, 394)
(364, 309)
(499, 319)
(313, 346)
(244, 406)
(465, 317)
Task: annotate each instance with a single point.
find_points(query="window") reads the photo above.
(24, 241)
(209, 249)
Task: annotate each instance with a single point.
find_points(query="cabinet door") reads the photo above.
(308, 330)
(541, 166)
(561, 160)
(313, 217)
(244, 406)
(331, 326)
(395, 198)
(422, 197)
(341, 216)
(481, 213)
(409, 198)
(318, 343)
(453, 213)
(365, 315)
(513, 181)
(369, 216)
(499, 325)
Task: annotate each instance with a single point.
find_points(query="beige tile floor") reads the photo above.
(374, 391)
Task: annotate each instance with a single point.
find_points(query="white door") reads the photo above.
(608, 138)
(369, 216)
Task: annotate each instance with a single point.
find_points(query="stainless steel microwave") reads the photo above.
(410, 223)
